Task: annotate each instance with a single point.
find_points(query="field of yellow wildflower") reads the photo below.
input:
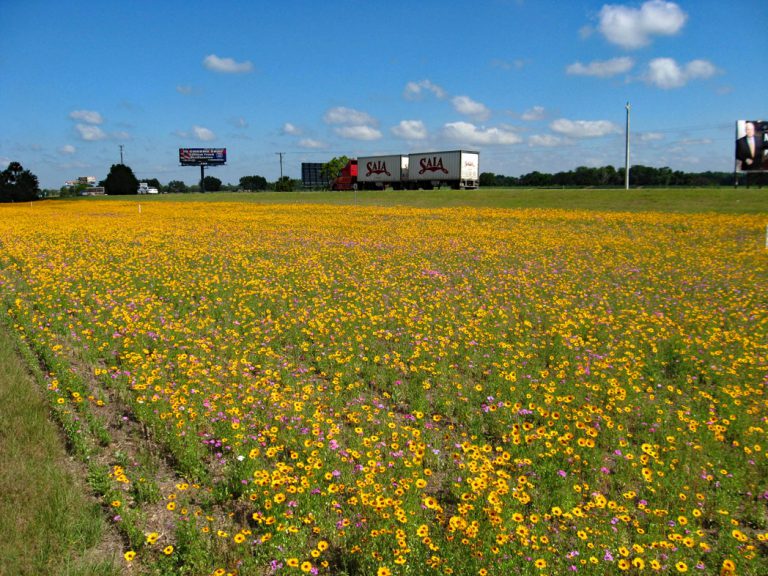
(362, 390)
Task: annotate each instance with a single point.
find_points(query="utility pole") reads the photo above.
(281, 164)
(626, 152)
(121, 153)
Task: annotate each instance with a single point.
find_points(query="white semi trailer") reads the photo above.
(454, 168)
(381, 171)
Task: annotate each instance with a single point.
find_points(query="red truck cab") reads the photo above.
(347, 178)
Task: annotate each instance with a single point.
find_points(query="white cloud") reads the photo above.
(203, 134)
(410, 130)
(516, 64)
(239, 122)
(601, 69)
(465, 105)
(226, 65)
(184, 89)
(471, 134)
(87, 116)
(414, 90)
(310, 143)
(535, 113)
(348, 117)
(633, 28)
(291, 129)
(650, 136)
(546, 141)
(67, 149)
(358, 132)
(89, 132)
(197, 133)
(584, 128)
(666, 73)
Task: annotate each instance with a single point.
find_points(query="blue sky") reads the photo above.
(532, 84)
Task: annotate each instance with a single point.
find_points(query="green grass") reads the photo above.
(47, 523)
(682, 200)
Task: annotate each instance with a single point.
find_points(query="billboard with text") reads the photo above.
(202, 156)
(751, 146)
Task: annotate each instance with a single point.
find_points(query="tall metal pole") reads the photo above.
(121, 154)
(626, 153)
(281, 164)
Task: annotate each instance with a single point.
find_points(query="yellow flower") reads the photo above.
(168, 550)
(129, 556)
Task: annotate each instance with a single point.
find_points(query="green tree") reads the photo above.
(211, 184)
(253, 183)
(176, 186)
(332, 168)
(120, 180)
(284, 184)
(17, 184)
(155, 183)
(487, 179)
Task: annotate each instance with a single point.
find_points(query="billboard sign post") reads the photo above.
(202, 157)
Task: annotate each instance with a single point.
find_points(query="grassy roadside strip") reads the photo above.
(726, 200)
(47, 523)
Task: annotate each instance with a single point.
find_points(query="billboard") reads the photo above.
(312, 175)
(202, 156)
(751, 145)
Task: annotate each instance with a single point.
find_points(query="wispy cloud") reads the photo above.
(546, 141)
(601, 68)
(631, 28)
(468, 133)
(291, 129)
(415, 90)
(197, 133)
(650, 136)
(185, 89)
(516, 64)
(351, 123)
(584, 128)
(666, 73)
(358, 132)
(535, 113)
(348, 116)
(87, 116)
(468, 107)
(67, 149)
(227, 65)
(410, 130)
(310, 143)
(90, 132)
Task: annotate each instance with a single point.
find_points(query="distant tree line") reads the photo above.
(608, 176)
(122, 181)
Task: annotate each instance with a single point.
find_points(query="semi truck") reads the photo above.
(459, 169)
